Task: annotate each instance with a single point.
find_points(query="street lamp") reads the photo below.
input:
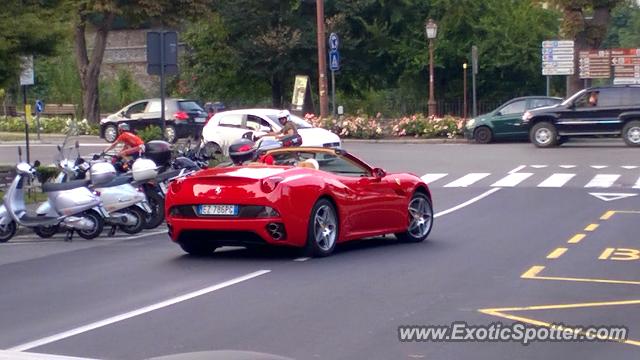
(432, 31)
(464, 90)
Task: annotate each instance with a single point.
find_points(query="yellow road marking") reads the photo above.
(591, 227)
(607, 215)
(557, 253)
(533, 272)
(576, 238)
(500, 312)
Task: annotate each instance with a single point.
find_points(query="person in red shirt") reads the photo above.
(132, 143)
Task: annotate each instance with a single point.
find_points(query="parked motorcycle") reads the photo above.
(72, 207)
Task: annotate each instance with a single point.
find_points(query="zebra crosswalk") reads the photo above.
(533, 179)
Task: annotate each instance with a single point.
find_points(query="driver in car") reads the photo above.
(132, 143)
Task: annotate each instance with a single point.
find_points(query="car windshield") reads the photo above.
(189, 106)
(300, 123)
(327, 161)
(573, 97)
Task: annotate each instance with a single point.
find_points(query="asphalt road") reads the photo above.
(518, 236)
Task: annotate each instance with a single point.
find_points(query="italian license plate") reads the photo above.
(228, 210)
(201, 119)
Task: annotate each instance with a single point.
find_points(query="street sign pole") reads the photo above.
(333, 93)
(334, 65)
(162, 114)
(474, 71)
(26, 122)
(548, 84)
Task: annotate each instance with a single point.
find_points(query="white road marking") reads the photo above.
(637, 184)
(60, 238)
(629, 167)
(467, 203)
(539, 166)
(16, 355)
(137, 312)
(556, 180)
(301, 259)
(512, 180)
(467, 180)
(602, 180)
(517, 169)
(612, 196)
(429, 178)
(598, 167)
(567, 166)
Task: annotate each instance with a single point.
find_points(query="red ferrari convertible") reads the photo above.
(311, 198)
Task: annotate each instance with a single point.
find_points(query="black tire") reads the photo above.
(483, 135)
(98, 220)
(426, 216)
(8, 231)
(631, 133)
(544, 135)
(110, 133)
(198, 247)
(170, 134)
(318, 245)
(156, 202)
(46, 232)
(140, 216)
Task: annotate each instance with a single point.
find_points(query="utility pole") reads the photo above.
(322, 60)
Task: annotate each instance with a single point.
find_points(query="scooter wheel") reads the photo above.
(7, 231)
(139, 224)
(156, 202)
(46, 232)
(97, 229)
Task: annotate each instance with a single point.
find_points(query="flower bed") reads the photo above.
(49, 125)
(366, 127)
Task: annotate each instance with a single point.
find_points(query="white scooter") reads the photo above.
(72, 207)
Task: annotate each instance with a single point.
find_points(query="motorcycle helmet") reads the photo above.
(123, 127)
(242, 150)
(284, 116)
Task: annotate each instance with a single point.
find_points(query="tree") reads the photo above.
(27, 27)
(99, 16)
(252, 49)
(586, 23)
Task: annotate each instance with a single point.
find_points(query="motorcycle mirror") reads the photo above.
(19, 151)
(36, 163)
(58, 147)
(77, 145)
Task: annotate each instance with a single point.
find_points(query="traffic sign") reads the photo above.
(26, 76)
(557, 57)
(334, 41)
(595, 64)
(334, 60)
(626, 66)
(39, 106)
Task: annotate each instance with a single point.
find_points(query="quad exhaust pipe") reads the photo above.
(276, 231)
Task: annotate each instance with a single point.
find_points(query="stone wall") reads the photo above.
(127, 49)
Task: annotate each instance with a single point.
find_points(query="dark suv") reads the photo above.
(184, 118)
(605, 110)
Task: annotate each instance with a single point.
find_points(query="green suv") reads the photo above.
(505, 122)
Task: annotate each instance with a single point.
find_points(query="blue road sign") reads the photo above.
(39, 106)
(334, 41)
(334, 60)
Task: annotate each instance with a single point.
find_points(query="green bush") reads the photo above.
(50, 125)
(46, 173)
(150, 133)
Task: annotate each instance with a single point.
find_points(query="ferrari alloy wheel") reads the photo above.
(323, 229)
(420, 219)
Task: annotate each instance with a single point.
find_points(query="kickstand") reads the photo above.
(113, 230)
(69, 236)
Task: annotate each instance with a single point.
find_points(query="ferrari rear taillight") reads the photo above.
(181, 115)
(270, 184)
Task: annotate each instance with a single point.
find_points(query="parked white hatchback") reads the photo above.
(227, 126)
